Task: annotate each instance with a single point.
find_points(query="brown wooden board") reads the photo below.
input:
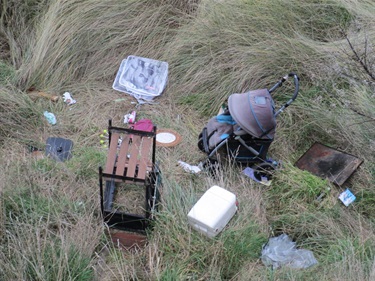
(134, 152)
(328, 163)
(112, 153)
(144, 157)
(123, 156)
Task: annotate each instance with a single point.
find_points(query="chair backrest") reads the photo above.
(131, 154)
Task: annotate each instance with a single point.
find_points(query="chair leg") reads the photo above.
(101, 190)
(109, 194)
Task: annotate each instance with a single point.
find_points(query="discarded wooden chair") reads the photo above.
(130, 164)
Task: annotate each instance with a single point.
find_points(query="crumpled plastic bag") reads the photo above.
(189, 168)
(51, 118)
(282, 251)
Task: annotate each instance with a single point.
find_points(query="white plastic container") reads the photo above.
(213, 211)
(142, 78)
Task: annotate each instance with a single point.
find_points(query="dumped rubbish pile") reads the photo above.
(243, 132)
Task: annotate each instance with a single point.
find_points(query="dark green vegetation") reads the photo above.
(50, 226)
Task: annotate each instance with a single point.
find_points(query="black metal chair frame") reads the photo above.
(124, 164)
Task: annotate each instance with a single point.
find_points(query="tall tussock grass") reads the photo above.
(234, 46)
(18, 116)
(84, 35)
(50, 222)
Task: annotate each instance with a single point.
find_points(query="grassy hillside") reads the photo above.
(50, 226)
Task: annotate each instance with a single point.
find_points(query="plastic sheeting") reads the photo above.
(282, 251)
(142, 78)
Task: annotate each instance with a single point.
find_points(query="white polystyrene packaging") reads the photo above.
(213, 211)
(142, 78)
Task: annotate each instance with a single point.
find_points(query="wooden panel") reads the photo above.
(144, 157)
(128, 241)
(328, 163)
(134, 151)
(123, 156)
(112, 154)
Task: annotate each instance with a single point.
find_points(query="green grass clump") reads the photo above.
(240, 247)
(45, 165)
(339, 250)
(85, 162)
(366, 202)
(78, 266)
(43, 256)
(30, 206)
(34, 203)
(293, 185)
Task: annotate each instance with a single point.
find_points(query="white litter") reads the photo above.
(189, 168)
(165, 137)
(282, 251)
(68, 98)
(130, 118)
(347, 197)
(213, 211)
